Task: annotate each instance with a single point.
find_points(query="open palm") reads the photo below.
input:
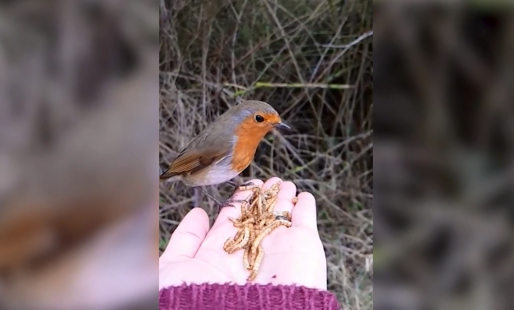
(292, 255)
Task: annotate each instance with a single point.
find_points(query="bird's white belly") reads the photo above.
(215, 175)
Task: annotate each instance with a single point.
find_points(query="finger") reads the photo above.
(285, 195)
(187, 238)
(231, 212)
(304, 212)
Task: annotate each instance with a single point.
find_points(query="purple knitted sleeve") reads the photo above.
(248, 297)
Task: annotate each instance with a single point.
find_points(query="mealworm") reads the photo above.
(243, 242)
(257, 220)
(228, 244)
(246, 263)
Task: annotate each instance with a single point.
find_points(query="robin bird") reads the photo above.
(225, 148)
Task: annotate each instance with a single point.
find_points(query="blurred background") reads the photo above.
(78, 154)
(312, 61)
(444, 141)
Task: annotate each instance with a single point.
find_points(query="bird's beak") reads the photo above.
(282, 125)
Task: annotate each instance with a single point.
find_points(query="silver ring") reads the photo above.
(281, 218)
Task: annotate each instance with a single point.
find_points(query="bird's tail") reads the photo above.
(166, 175)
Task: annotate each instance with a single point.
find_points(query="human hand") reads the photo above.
(294, 255)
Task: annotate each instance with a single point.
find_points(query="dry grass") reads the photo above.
(312, 60)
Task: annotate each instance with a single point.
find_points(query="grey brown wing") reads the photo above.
(204, 150)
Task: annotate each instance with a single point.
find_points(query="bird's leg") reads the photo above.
(220, 204)
(209, 195)
(196, 197)
(233, 184)
(229, 202)
(247, 185)
(236, 187)
(243, 186)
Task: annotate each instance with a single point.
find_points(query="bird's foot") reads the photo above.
(230, 203)
(246, 186)
(233, 184)
(242, 186)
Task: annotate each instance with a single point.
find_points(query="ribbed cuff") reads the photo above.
(248, 297)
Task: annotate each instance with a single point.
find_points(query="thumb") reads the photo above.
(187, 238)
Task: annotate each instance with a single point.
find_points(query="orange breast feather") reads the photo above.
(248, 138)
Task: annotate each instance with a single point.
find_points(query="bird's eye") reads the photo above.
(259, 118)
